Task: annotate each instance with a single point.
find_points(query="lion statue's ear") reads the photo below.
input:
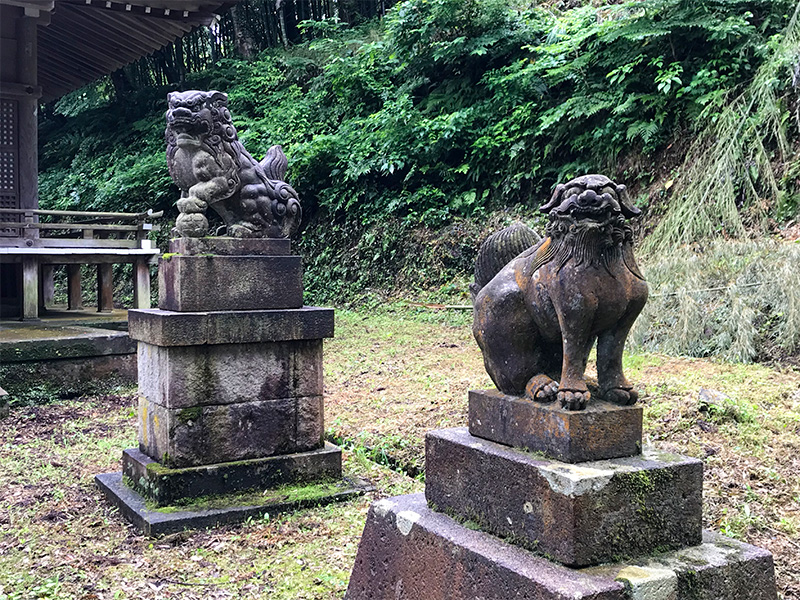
(626, 206)
(555, 200)
(171, 97)
(218, 98)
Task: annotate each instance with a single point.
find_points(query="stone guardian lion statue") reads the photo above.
(538, 317)
(211, 167)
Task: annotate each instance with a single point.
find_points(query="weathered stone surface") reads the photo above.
(165, 486)
(225, 246)
(186, 376)
(719, 569)
(601, 431)
(578, 514)
(410, 552)
(169, 328)
(91, 374)
(56, 343)
(4, 408)
(214, 283)
(537, 317)
(187, 437)
(154, 523)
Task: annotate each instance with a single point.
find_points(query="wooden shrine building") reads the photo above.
(49, 48)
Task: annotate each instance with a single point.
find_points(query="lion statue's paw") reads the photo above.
(541, 388)
(573, 399)
(191, 225)
(621, 396)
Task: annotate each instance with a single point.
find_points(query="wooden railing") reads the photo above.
(28, 225)
(100, 242)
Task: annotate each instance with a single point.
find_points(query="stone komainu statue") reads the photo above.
(212, 168)
(537, 318)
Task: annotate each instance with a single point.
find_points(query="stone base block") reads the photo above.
(204, 435)
(154, 522)
(579, 515)
(187, 376)
(169, 328)
(227, 246)
(409, 551)
(213, 283)
(601, 431)
(164, 486)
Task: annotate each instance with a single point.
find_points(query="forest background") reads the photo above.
(416, 128)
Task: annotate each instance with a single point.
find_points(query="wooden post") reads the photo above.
(46, 286)
(27, 70)
(141, 284)
(30, 288)
(105, 287)
(74, 301)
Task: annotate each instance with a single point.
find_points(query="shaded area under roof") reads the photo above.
(87, 39)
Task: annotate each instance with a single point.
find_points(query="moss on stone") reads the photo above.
(185, 415)
(282, 494)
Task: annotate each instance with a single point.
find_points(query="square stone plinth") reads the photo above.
(164, 486)
(213, 282)
(204, 435)
(170, 328)
(155, 521)
(601, 431)
(409, 551)
(187, 376)
(580, 515)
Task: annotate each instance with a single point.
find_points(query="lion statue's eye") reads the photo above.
(573, 191)
(610, 191)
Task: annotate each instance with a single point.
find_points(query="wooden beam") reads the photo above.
(77, 226)
(149, 214)
(105, 288)
(30, 288)
(47, 288)
(68, 243)
(176, 12)
(86, 23)
(74, 298)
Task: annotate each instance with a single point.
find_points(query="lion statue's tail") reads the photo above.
(498, 250)
(275, 163)
(286, 202)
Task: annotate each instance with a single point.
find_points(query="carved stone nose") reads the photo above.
(181, 111)
(588, 198)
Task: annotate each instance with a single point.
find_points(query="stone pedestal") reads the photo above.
(580, 515)
(230, 376)
(579, 518)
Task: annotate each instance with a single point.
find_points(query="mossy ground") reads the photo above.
(390, 376)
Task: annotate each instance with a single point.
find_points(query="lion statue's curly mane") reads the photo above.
(212, 168)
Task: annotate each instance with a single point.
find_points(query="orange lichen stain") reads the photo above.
(143, 423)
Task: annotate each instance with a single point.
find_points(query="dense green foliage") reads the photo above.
(428, 121)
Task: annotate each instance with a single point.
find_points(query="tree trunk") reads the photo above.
(282, 22)
(241, 33)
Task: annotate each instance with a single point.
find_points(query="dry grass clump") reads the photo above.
(730, 176)
(739, 301)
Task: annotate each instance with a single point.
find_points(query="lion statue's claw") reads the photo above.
(573, 399)
(541, 388)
